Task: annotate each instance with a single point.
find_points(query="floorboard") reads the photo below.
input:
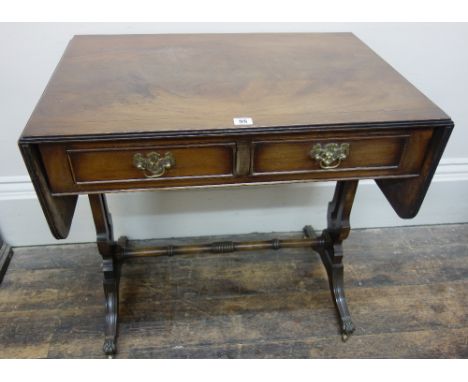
(407, 290)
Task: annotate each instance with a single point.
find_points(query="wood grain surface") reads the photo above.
(153, 83)
(407, 289)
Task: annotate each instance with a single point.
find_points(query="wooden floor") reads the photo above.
(407, 290)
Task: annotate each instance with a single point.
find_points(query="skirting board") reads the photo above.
(235, 210)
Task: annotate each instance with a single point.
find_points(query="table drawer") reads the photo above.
(78, 166)
(339, 154)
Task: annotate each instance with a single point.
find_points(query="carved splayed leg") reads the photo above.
(111, 292)
(332, 258)
(331, 251)
(110, 268)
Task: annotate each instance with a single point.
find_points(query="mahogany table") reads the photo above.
(134, 112)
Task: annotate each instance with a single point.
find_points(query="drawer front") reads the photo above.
(108, 165)
(331, 155)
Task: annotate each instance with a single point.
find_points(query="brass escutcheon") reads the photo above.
(330, 155)
(154, 165)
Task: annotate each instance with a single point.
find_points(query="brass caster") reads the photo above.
(109, 348)
(347, 328)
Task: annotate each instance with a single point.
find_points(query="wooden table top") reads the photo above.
(121, 84)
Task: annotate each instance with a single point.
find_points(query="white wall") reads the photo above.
(433, 56)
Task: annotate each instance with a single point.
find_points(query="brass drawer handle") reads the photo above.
(154, 166)
(330, 155)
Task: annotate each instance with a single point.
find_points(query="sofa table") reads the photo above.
(146, 112)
